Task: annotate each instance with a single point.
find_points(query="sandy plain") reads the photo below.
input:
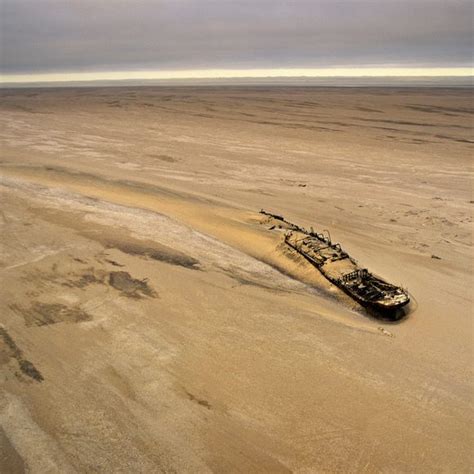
(149, 323)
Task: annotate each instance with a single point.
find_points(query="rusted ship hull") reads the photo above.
(369, 290)
(380, 307)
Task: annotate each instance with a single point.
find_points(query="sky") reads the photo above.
(184, 38)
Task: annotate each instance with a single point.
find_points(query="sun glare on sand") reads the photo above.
(239, 73)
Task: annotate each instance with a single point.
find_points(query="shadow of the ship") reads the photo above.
(395, 316)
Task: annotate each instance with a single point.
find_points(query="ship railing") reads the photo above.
(354, 275)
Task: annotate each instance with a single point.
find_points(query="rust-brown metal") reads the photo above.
(339, 268)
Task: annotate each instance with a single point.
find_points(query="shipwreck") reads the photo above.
(369, 290)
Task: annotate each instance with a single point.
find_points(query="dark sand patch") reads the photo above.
(202, 402)
(89, 278)
(152, 250)
(131, 287)
(453, 111)
(60, 275)
(411, 123)
(114, 263)
(9, 350)
(454, 139)
(166, 158)
(44, 314)
(368, 109)
(10, 460)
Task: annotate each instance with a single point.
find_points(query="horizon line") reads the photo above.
(337, 72)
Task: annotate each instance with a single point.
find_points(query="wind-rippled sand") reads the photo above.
(149, 323)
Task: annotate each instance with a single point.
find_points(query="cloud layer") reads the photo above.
(92, 35)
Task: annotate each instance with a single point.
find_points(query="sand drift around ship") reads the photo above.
(369, 290)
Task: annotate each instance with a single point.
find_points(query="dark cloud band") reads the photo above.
(74, 35)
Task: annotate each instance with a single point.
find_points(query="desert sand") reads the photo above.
(150, 323)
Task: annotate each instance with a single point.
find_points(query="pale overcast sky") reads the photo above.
(52, 36)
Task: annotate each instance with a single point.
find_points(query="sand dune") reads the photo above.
(151, 323)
